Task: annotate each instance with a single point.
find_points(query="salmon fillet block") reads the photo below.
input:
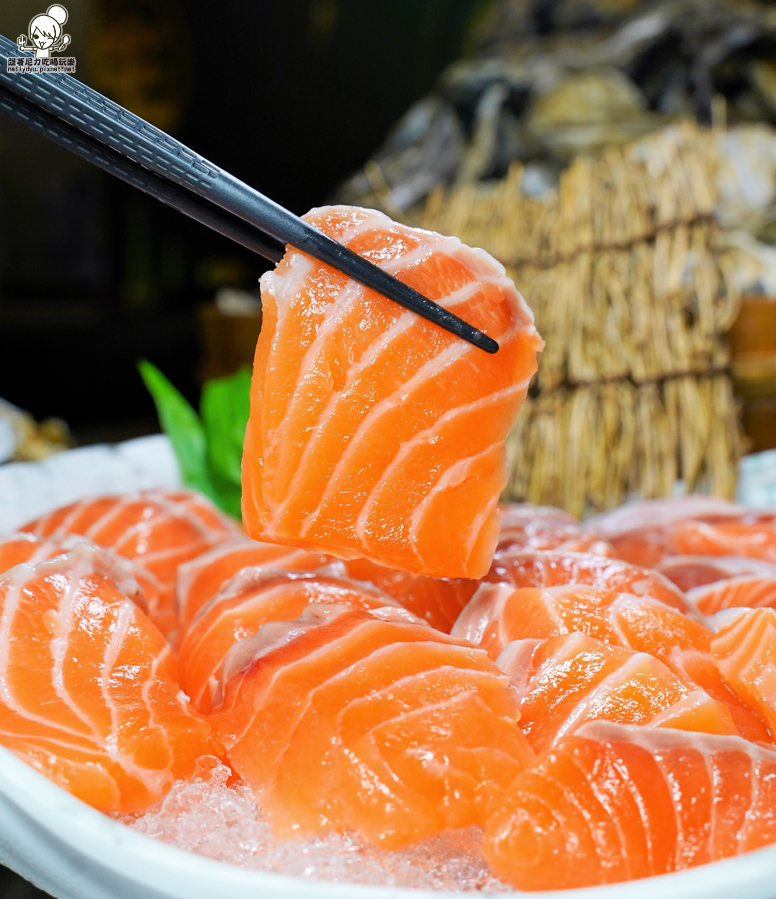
(373, 432)
(617, 802)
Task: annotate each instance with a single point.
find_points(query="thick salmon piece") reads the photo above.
(203, 578)
(568, 680)
(89, 692)
(251, 599)
(523, 568)
(373, 432)
(354, 720)
(498, 614)
(647, 533)
(613, 803)
(752, 535)
(158, 529)
(750, 591)
(722, 582)
(745, 652)
(437, 601)
(689, 572)
(17, 549)
(546, 528)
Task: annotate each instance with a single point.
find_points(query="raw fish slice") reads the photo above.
(351, 720)
(373, 432)
(157, 529)
(437, 600)
(647, 533)
(546, 528)
(498, 614)
(688, 572)
(17, 549)
(640, 531)
(752, 536)
(747, 590)
(555, 569)
(613, 803)
(202, 578)
(660, 514)
(88, 689)
(568, 680)
(250, 600)
(745, 652)
(522, 514)
(559, 538)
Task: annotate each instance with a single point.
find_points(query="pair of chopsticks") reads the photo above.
(121, 143)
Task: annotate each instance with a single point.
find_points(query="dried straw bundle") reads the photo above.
(633, 292)
(593, 446)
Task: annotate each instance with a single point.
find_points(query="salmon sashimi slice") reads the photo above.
(88, 688)
(745, 652)
(253, 598)
(613, 803)
(498, 614)
(688, 572)
(203, 577)
(560, 538)
(546, 528)
(556, 569)
(646, 533)
(745, 591)
(355, 720)
(16, 549)
(522, 514)
(373, 432)
(568, 680)
(660, 514)
(437, 600)
(752, 536)
(157, 529)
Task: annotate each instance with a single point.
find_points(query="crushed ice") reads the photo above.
(222, 820)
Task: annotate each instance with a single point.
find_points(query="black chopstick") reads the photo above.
(132, 138)
(109, 161)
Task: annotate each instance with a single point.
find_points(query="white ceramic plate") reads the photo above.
(30, 489)
(75, 852)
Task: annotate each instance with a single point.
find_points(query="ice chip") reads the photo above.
(215, 816)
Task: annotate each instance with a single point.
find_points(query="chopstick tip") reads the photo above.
(484, 342)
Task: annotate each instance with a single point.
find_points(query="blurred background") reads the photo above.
(467, 116)
(291, 97)
(618, 156)
(489, 119)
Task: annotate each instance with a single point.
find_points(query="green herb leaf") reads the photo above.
(225, 407)
(182, 425)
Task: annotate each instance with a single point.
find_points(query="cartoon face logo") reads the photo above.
(45, 33)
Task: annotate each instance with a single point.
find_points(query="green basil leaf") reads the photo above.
(228, 496)
(181, 424)
(225, 407)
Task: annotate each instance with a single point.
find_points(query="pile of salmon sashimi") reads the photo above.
(385, 651)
